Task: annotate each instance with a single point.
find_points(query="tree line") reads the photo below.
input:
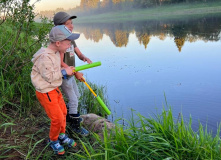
(97, 6)
(88, 7)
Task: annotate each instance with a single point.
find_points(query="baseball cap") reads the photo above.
(62, 17)
(60, 33)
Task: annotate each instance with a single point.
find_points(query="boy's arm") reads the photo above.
(62, 60)
(67, 71)
(81, 56)
(47, 71)
(79, 75)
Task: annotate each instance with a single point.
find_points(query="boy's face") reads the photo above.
(69, 25)
(63, 45)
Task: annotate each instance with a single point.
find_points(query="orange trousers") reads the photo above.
(55, 107)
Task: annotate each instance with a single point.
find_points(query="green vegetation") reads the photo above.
(24, 125)
(20, 38)
(24, 134)
(160, 137)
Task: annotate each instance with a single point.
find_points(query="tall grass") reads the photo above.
(161, 137)
(158, 137)
(20, 38)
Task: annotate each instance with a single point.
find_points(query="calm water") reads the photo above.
(142, 61)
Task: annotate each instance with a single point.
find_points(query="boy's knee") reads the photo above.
(57, 121)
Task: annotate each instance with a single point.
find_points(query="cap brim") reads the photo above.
(73, 17)
(73, 36)
(67, 18)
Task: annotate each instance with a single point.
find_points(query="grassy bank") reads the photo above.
(24, 136)
(174, 11)
(160, 137)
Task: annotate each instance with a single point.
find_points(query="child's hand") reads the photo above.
(73, 68)
(78, 75)
(69, 71)
(87, 59)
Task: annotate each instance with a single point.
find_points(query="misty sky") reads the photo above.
(54, 4)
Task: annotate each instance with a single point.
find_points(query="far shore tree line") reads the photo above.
(88, 7)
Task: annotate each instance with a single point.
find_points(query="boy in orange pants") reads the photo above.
(46, 76)
(69, 85)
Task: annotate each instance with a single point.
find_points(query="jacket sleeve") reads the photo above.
(49, 71)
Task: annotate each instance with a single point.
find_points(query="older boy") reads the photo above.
(69, 86)
(46, 76)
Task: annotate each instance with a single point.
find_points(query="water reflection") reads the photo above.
(143, 64)
(191, 30)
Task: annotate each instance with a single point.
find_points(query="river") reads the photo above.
(148, 65)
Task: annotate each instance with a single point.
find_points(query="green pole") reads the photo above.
(95, 64)
(86, 66)
(103, 105)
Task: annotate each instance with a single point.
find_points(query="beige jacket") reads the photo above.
(46, 71)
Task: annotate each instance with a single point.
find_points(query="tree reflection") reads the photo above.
(121, 38)
(191, 30)
(143, 38)
(179, 34)
(179, 42)
(93, 34)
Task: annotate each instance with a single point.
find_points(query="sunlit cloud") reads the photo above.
(43, 5)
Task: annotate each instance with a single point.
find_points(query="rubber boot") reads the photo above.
(68, 115)
(76, 126)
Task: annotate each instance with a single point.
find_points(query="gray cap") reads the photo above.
(60, 33)
(62, 17)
